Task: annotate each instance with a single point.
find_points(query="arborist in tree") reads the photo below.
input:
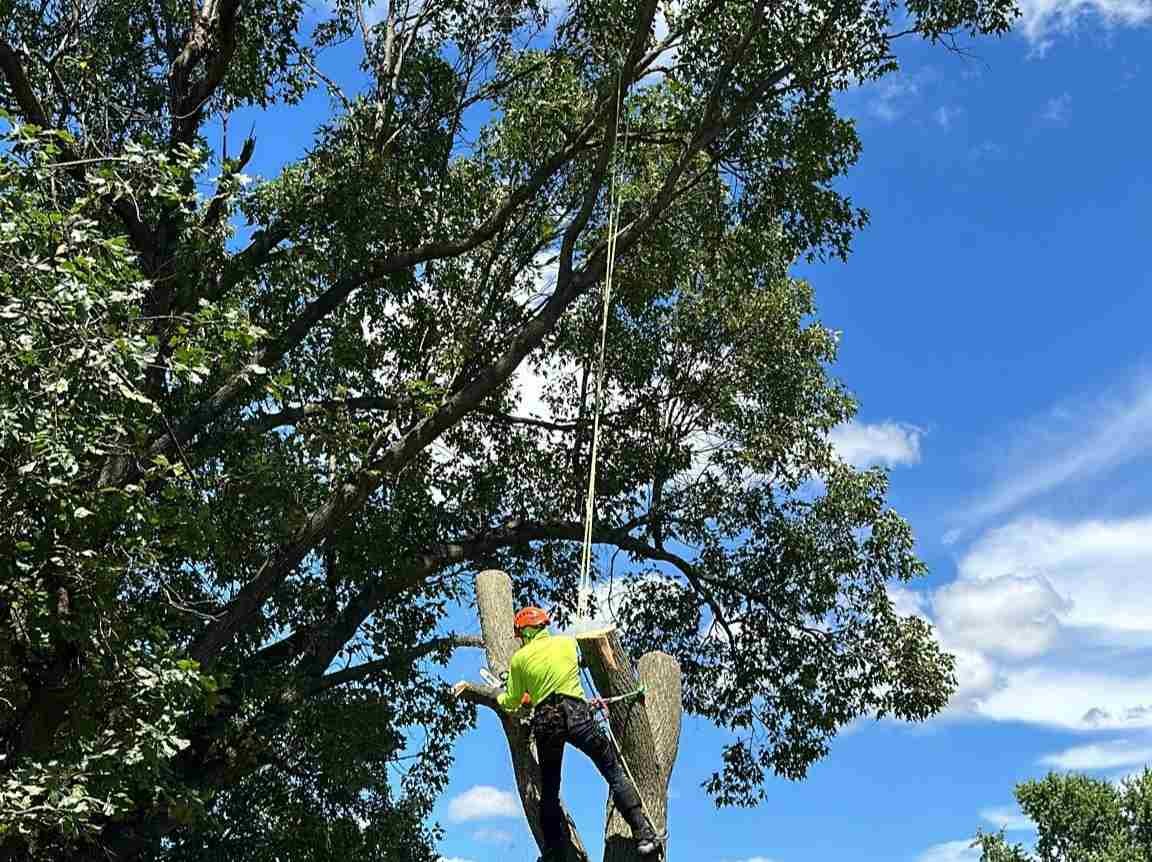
(545, 672)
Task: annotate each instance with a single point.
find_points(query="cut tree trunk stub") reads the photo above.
(647, 728)
(497, 613)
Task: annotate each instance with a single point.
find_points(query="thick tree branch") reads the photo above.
(387, 458)
(30, 106)
(212, 41)
(325, 642)
(22, 91)
(481, 695)
(359, 672)
(254, 255)
(574, 531)
(292, 416)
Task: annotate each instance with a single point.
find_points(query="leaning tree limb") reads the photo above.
(646, 728)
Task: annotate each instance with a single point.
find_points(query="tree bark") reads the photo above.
(646, 728)
(494, 604)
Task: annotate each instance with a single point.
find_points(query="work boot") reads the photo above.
(647, 842)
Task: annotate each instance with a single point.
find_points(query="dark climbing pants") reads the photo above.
(559, 720)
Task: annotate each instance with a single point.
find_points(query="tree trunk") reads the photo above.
(494, 604)
(647, 728)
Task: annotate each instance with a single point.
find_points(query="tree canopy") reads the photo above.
(254, 436)
(1080, 819)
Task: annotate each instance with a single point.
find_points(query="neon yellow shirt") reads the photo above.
(543, 666)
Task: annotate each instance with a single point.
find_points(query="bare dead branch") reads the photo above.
(215, 211)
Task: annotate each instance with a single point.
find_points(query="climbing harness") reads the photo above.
(604, 701)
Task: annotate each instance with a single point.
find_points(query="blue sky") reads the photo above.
(995, 318)
(995, 330)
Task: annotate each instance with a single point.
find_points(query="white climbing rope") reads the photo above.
(584, 594)
(584, 590)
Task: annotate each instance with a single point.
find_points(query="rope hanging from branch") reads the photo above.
(584, 594)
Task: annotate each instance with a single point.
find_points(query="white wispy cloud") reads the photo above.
(1042, 20)
(1101, 755)
(890, 97)
(1056, 109)
(453, 859)
(976, 676)
(1008, 818)
(951, 851)
(1072, 699)
(1100, 567)
(946, 115)
(888, 443)
(1050, 623)
(493, 836)
(1077, 440)
(1011, 616)
(483, 802)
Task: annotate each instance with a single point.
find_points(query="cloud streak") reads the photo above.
(1072, 442)
(951, 851)
(1103, 755)
(1008, 819)
(1072, 699)
(1100, 567)
(1015, 617)
(890, 97)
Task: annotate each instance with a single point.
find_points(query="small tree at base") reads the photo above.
(1080, 819)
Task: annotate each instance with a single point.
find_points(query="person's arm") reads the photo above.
(510, 700)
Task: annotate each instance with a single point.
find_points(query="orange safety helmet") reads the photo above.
(531, 618)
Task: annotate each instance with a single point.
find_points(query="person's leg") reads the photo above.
(586, 734)
(548, 730)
